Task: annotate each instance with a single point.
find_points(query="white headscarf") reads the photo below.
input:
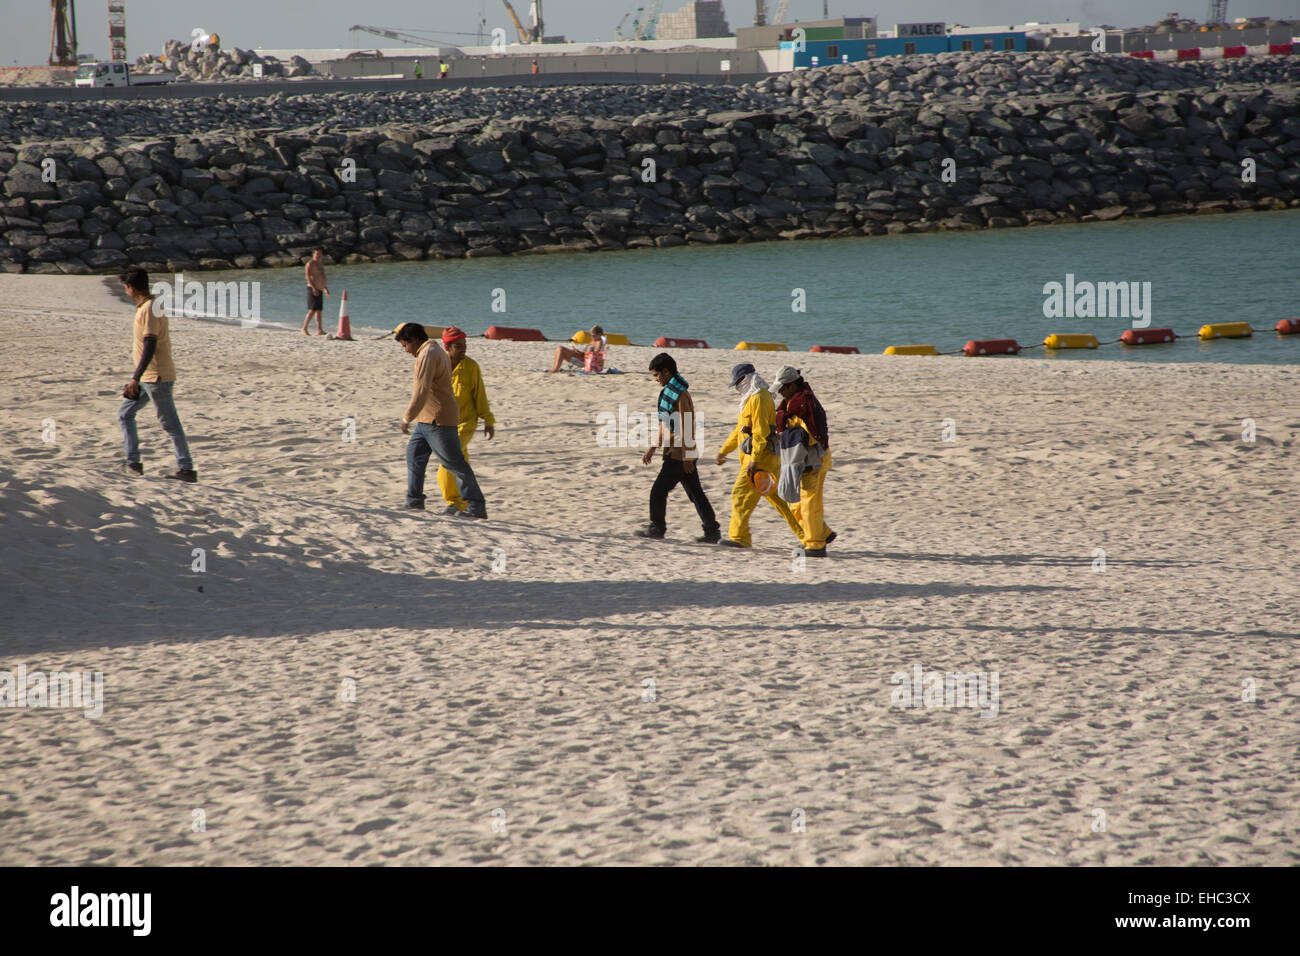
(750, 386)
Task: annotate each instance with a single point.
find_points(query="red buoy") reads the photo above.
(516, 335)
(991, 347)
(668, 342)
(1288, 326)
(840, 349)
(1147, 336)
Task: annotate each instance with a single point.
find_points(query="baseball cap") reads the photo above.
(738, 373)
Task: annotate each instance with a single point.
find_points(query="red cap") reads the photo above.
(451, 334)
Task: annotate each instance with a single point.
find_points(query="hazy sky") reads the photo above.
(280, 24)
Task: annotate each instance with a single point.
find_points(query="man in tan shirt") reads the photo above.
(431, 418)
(154, 376)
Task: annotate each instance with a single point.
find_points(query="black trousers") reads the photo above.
(672, 474)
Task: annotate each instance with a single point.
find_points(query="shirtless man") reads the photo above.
(315, 288)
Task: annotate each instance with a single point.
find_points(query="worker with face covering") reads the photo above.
(805, 450)
(755, 437)
(471, 396)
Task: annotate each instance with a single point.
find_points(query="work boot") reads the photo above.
(133, 469)
(832, 536)
(416, 506)
(650, 531)
(815, 553)
(471, 514)
(184, 474)
(728, 543)
(451, 511)
(710, 537)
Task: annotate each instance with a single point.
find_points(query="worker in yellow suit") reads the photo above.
(471, 396)
(808, 440)
(755, 427)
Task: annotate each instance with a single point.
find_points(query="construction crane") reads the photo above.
(537, 31)
(1218, 15)
(640, 30)
(401, 36)
(63, 33)
(117, 30)
(523, 34)
(646, 30)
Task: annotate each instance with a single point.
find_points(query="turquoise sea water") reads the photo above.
(936, 288)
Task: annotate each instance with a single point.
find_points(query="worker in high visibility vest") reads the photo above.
(443, 69)
(419, 71)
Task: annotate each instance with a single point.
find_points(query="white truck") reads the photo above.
(117, 73)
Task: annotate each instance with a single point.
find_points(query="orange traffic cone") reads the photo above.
(344, 334)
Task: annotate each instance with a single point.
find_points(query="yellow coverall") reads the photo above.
(810, 511)
(759, 414)
(467, 386)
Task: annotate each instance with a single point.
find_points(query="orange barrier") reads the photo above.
(344, 334)
(514, 335)
(991, 347)
(668, 342)
(1147, 336)
(840, 349)
(1288, 327)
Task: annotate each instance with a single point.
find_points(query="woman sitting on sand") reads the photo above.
(592, 358)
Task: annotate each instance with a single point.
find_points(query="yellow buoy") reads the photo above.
(1226, 330)
(911, 350)
(1070, 340)
(762, 346)
(582, 337)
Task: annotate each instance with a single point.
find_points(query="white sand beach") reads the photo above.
(502, 710)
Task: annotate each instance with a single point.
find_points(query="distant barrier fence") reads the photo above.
(1216, 52)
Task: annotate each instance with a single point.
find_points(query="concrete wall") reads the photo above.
(704, 63)
(1133, 42)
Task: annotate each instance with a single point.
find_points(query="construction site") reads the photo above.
(695, 40)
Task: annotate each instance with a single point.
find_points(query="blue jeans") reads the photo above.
(443, 441)
(161, 393)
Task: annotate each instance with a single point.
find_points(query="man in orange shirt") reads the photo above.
(431, 418)
(155, 374)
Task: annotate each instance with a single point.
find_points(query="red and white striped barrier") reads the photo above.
(1217, 52)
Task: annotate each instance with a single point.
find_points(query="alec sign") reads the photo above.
(920, 29)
